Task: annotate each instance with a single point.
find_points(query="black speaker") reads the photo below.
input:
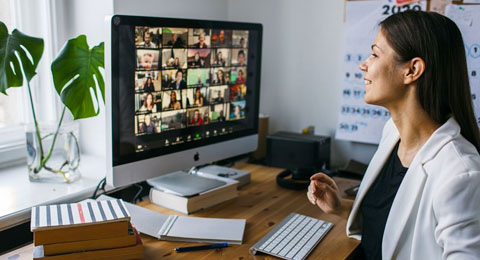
(302, 156)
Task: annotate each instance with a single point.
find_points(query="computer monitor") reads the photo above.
(179, 93)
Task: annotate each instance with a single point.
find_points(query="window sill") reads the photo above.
(18, 195)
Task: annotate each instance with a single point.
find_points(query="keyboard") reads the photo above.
(294, 238)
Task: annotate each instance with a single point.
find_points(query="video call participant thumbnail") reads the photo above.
(238, 92)
(238, 75)
(174, 79)
(175, 37)
(217, 113)
(199, 38)
(221, 57)
(174, 58)
(198, 116)
(148, 37)
(240, 39)
(198, 58)
(147, 59)
(239, 57)
(147, 124)
(194, 97)
(219, 76)
(172, 100)
(221, 38)
(147, 81)
(198, 77)
(173, 120)
(218, 94)
(148, 102)
(236, 110)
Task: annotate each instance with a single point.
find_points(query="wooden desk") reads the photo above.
(263, 204)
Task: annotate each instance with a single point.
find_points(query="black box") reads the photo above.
(298, 151)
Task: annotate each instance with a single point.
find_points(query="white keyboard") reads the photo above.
(294, 238)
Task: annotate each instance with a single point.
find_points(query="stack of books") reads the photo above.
(190, 204)
(85, 230)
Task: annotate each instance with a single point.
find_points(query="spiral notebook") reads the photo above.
(186, 229)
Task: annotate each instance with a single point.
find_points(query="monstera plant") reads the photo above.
(73, 72)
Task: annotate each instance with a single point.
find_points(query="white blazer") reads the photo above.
(436, 212)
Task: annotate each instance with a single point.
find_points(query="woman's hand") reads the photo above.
(324, 193)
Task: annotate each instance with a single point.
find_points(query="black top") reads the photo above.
(377, 203)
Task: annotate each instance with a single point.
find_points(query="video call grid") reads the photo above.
(201, 72)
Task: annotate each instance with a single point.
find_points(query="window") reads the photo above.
(12, 135)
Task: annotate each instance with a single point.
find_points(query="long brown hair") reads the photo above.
(444, 88)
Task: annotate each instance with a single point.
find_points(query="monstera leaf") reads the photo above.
(11, 65)
(73, 71)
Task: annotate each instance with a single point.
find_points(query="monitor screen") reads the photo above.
(177, 84)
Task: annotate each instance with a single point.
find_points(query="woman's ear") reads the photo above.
(415, 69)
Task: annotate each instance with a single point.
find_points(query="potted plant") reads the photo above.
(73, 72)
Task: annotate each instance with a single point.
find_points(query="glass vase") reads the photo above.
(57, 163)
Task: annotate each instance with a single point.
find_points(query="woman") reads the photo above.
(148, 104)
(240, 77)
(148, 127)
(220, 77)
(198, 99)
(197, 62)
(176, 63)
(148, 85)
(420, 196)
(174, 103)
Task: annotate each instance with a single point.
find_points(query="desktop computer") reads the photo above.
(179, 93)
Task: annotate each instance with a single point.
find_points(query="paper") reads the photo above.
(358, 121)
(467, 18)
(439, 5)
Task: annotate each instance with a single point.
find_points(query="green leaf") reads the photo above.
(19, 44)
(73, 73)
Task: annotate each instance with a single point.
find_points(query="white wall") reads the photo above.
(301, 66)
(195, 9)
(301, 63)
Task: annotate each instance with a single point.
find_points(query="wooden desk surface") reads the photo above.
(263, 204)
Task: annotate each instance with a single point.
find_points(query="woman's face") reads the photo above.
(383, 74)
(149, 99)
(149, 81)
(197, 93)
(220, 75)
(173, 97)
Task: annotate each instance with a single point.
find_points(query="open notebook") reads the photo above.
(187, 229)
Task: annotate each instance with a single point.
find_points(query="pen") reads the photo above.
(194, 248)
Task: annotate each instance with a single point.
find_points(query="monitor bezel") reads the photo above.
(115, 21)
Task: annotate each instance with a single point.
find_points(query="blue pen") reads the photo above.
(195, 248)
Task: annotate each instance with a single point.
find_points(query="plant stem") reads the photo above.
(37, 129)
(45, 159)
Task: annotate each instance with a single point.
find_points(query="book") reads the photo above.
(85, 220)
(181, 228)
(129, 239)
(192, 204)
(119, 253)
